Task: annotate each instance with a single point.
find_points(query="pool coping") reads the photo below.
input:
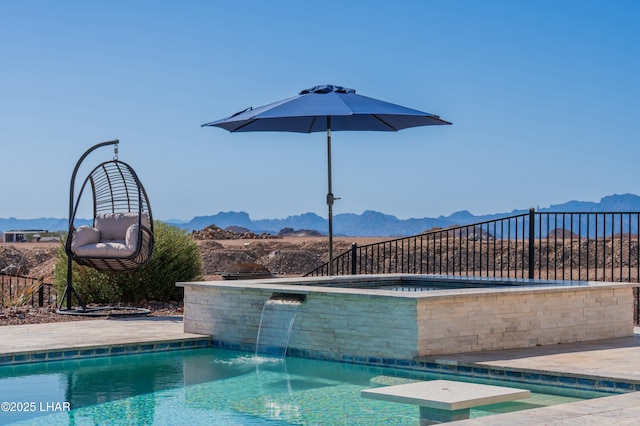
(95, 351)
(20, 344)
(361, 285)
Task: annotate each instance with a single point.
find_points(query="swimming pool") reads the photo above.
(222, 387)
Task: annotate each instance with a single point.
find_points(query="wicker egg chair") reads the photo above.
(121, 236)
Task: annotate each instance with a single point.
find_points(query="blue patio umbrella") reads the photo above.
(326, 108)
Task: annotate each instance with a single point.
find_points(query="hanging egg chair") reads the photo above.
(120, 238)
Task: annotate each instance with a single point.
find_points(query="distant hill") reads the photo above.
(40, 224)
(367, 224)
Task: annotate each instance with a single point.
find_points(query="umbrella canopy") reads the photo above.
(307, 113)
(325, 108)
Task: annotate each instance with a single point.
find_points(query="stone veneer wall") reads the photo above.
(357, 325)
(335, 324)
(326, 326)
(519, 319)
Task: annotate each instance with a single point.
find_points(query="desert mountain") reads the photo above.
(367, 224)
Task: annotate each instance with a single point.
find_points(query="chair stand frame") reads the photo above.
(141, 255)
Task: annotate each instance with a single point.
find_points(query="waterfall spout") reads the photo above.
(276, 322)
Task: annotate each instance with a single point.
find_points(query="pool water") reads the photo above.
(221, 387)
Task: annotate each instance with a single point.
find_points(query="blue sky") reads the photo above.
(543, 95)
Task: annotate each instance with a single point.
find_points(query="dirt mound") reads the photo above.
(288, 256)
(290, 232)
(32, 261)
(293, 262)
(212, 232)
(283, 256)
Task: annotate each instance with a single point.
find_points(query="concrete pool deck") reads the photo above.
(91, 338)
(613, 358)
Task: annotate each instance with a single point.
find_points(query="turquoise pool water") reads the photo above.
(220, 387)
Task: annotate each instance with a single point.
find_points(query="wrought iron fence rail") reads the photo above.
(558, 245)
(22, 290)
(555, 246)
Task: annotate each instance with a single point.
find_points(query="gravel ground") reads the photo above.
(33, 315)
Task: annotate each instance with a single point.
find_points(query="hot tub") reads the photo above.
(402, 316)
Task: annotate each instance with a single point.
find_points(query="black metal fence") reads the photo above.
(562, 246)
(21, 290)
(556, 246)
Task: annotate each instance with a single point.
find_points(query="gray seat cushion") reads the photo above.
(115, 235)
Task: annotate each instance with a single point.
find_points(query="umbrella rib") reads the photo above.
(244, 125)
(313, 122)
(384, 122)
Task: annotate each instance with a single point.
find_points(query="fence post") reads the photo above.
(354, 246)
(532, 235)
(41, 295)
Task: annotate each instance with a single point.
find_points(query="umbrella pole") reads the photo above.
(330, 196)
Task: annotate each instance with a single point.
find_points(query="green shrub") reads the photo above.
(176, 257)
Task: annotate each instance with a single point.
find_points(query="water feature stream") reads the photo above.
(276, 322)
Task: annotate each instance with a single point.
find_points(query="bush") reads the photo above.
(176, 257)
